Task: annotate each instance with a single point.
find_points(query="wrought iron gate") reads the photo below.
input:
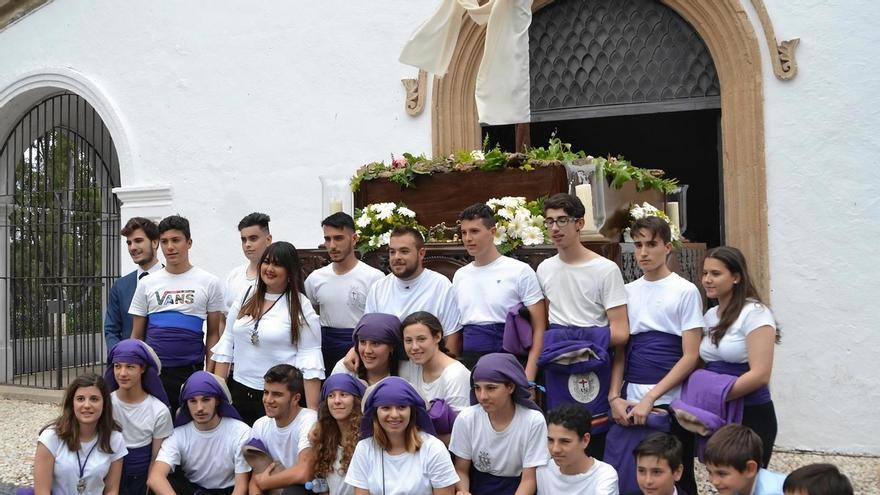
(60, 249)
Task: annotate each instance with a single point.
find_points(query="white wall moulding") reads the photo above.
(153, 201)
(11, 11)
(781, 54)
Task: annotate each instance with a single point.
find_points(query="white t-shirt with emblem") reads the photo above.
(671, 305)
(430, 291)
(523, 444)
(210, 459)
(194, 292)
(285, 444)
(142, 422)
(409, 473)
(580, 295)
(341, 299)
(486, 293)
(600, 479)
(65, 472)
(732, 347)
(453, 385)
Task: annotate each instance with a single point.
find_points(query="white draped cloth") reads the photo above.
(502, 92)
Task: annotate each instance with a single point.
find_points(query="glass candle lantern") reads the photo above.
(336, 195)
(676, 207)
(585, 181)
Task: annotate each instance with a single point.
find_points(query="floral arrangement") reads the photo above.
(518, 222)
(648, 210)
(375, 222)
(404, 170)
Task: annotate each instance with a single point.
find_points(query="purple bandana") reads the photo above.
(394, 391)
(343, 382)
(134, 351)
(503, 368)
(208, 385)
(378, 327)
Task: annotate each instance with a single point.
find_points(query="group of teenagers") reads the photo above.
(357, 382)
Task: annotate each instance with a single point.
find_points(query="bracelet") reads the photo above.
(613, 399)
(535, 385)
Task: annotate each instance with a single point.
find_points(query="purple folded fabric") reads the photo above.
(517, 338)
(394, 391)
(343, 382)
(134, 351)
(622, 440)
(255, 444)
(703, 406)
(208, 385)
(499, 367)
(650, 356)
(755, 398)
(442, 416)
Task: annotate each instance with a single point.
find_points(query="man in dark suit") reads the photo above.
(142, 237)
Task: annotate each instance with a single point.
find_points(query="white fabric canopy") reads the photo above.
(502, 91)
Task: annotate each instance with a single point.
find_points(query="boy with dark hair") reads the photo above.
(572, 470)
(411, 287)
(284, 432)
(586, 302)
(254, 233)
(490, 287)
(817, 479)
(339, 290)
(658, 465)
(666, 325)
(142, 238)
(170, 307)
(733, 458)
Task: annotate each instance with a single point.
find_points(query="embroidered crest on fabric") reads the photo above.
(584, 388)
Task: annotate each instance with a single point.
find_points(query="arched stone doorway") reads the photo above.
(725, 28)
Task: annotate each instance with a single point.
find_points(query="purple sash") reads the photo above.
(517, 338)
(483, 338)
(650, 356)
(489, 483)
(756, 398)
(137, 461)
(336, 339)
(577, 369)
(177, 338)
(442, 416)
(622, 440)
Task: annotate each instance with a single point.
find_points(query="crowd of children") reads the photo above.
(355, 382)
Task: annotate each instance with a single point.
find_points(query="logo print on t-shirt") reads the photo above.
(584, 388)
(357, 299)
(185, 296)
(484, 462)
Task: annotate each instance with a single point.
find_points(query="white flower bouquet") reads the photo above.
(648, 210)
(375, 222)
(518, 222)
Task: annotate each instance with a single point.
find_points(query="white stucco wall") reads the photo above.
(240, 108)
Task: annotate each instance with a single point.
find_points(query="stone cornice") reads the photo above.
(13, 10)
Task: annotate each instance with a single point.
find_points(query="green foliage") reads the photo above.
(619, 171)
(494, 159)
(556, 150)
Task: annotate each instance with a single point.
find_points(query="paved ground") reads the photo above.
(22, 420)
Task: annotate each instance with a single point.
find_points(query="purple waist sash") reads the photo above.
(483, 338)
(650, 356)
(336, 338)
(622, 440)
(756, 398)
(489, 483)
(577, 369)
(176, 346)
(137, 461)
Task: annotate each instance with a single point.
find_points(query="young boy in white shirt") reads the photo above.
(572, 470)
(733, 458)
(253, 230)
(284, 431)
(658, 465)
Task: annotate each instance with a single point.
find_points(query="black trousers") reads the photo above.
(762, 420)
(247, 401)
(173, 379)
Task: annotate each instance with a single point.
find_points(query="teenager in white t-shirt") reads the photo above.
(284, 431)
(378, 344)
(253, 230)
(501, 441)
(206, 444)
(434, 374)
(339, 290)
(489, 287)
(169, 309)
(336, 433)
(739, 339)
(572, 470)
(140, 407)
(584, 293)
(81, 451)
(399, 454)
(411, 287)
(275, 325)
(666, 325)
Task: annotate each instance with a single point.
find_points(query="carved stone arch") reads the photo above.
(725, 27)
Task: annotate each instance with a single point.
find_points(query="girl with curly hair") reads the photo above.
(335, 435)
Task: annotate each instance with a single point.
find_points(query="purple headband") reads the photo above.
(394, 391)
(209, 385)
(343, 382)
(499, 367)
(135, 351)
(378, 327)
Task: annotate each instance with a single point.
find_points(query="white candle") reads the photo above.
(585, 194)
(335, 205)
(672, 213)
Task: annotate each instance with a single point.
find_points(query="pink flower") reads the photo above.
(398, 163)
